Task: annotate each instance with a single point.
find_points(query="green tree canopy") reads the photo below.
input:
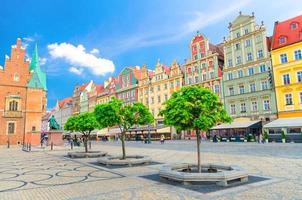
(194, 107)
(115, 113)
(84, 123)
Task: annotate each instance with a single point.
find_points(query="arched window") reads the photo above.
(13, 105)
(282, 39)
(293, 25)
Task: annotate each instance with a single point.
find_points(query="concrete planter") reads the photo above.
(266, 140)
(89, 154)
(283, 140)
(130, 160)
(187, 173)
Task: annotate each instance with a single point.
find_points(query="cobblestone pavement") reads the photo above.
(50, 175)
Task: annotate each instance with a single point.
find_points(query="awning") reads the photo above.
(113, 131)
(285, 122)
(246, 124)
(164, 130)
(103, 132)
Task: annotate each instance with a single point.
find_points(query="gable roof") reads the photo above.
(241, 19)
(67, 100)
(284, 29)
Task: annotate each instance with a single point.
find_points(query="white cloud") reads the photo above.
(1, 67)
(77, 71)
(77, 55)
(95, 51)
(42, 61)
(27, 41)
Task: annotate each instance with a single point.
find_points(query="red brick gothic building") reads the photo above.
(22, 97)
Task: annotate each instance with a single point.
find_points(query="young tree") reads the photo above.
(194, 108)
(115, 113)
(84, 123)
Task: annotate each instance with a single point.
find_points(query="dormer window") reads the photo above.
(282, 40)
(16, 77)
(293, 25)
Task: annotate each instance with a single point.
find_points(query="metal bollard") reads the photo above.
(89, 144)
(29, 147)
(51, 146)
(71, 145)
(8, 145)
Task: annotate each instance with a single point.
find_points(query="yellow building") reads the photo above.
(155, 87)
(287, 66)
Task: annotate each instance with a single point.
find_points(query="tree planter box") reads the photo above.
(130, 160)
(283, 140)
(89, 154)
(185, 173)
(266, 140)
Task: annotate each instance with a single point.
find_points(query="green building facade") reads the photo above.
(248, 88)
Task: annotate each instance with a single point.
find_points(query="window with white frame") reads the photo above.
(158, 99)
(246, 31)
(266, 104)
(238, 60)
(299, 76)
(264, 85)
(166, 97)
(216, 89)
(293, 25)
(233, 109)
(237, 46)
(286, 79)
(230, 63)
(177, 83)
(204, 77)
(288, 99)
(211, 75)
(196, 79)
(165, 86)
(243, 108)
(251, 71)
(238, 35)
(158, 88)
(254, 106)
(283, 58)
(262, 68)
(260, 53)
(171, 84)
(252, 87)
(189, 80)
(247, 43)
(298, 55)
(240, 74)
(249, 57)
(230, 75)
(231, 91)
(241, 89)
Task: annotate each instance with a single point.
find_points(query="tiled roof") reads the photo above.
(99, 89)
(82, 87)
(64, 101)
(283, 29)
(137, 73)
(167, 69)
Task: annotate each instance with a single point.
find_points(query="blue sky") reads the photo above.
(81, 40)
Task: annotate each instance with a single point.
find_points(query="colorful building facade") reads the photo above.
(127, 86)
(287, 66)
(247, 86)
(204, 68)
(23, 97)
(108, 92)
(63, 111)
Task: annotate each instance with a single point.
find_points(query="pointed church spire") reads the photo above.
(38, 79)
(34, 64)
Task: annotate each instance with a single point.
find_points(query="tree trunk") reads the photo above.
(85, 143)
(123, 145)
(198, 150)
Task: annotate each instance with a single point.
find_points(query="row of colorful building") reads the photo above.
(258, 78)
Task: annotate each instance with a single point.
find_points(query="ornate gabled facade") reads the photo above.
(287, 66)
(206, 64)
(22, 97)
(156, 86)
(92, 96)
(84, 103)
(108, 92)
(127, 86)
(248, 91)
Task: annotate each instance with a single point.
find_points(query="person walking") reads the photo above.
(162, 139)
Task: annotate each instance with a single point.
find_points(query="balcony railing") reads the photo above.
(12, 114)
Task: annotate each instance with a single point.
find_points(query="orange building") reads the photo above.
(22, 98)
